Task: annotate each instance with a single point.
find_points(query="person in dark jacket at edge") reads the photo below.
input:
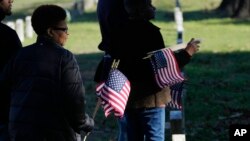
(130, 42)
(111, 15)
(45, 84)
(9, 45)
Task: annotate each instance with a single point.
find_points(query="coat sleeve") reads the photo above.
(16, 42)
(5, 89)
(73, 92)
(11, 44)
(182, 58)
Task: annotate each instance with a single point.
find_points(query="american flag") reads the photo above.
(114, 93)
(167, 72)
(176, 92)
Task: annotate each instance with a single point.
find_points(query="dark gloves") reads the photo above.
(88, 125)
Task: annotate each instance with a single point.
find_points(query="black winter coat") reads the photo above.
(47, 93)
(111, 14)
(130, 43)
(9, 45)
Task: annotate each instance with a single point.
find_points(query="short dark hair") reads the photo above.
(46, 16)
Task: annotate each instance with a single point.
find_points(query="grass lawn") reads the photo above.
(219, 81)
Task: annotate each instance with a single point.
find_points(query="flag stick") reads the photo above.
(174, 48)
(115, 64)
(149, 55)
(93, 115)
(96, 107)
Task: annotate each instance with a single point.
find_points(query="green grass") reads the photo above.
(219, 81)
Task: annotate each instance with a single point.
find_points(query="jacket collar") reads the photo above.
(44, 40)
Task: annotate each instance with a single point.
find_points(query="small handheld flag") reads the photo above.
(166, 69)
(114, 92)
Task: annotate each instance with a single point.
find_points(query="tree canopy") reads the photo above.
(236, 8)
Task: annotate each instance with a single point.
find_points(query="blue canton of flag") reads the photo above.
(160, 60)
(167, 72)
(114, 93)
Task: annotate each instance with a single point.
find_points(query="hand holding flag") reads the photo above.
(192, 46)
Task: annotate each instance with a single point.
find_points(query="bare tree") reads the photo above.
(236, 8)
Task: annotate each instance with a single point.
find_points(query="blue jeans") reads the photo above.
(4, 135)
(122, 122)
(146, 124)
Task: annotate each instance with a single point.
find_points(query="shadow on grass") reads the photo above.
(217, 95)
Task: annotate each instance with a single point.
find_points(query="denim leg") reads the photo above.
(146, 124)
(155, 124)
(134, 125)
(122, 123)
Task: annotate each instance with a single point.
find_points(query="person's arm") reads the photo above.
(183, 56)
(14, 44)
(74, 95)
(5, 92)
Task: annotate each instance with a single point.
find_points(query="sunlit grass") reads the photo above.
(218, 75)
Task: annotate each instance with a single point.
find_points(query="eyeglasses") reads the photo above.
(61, 28)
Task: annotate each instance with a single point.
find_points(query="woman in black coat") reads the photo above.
(130, 43)
(44, 80)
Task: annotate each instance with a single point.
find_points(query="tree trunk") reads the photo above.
(236, 8)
